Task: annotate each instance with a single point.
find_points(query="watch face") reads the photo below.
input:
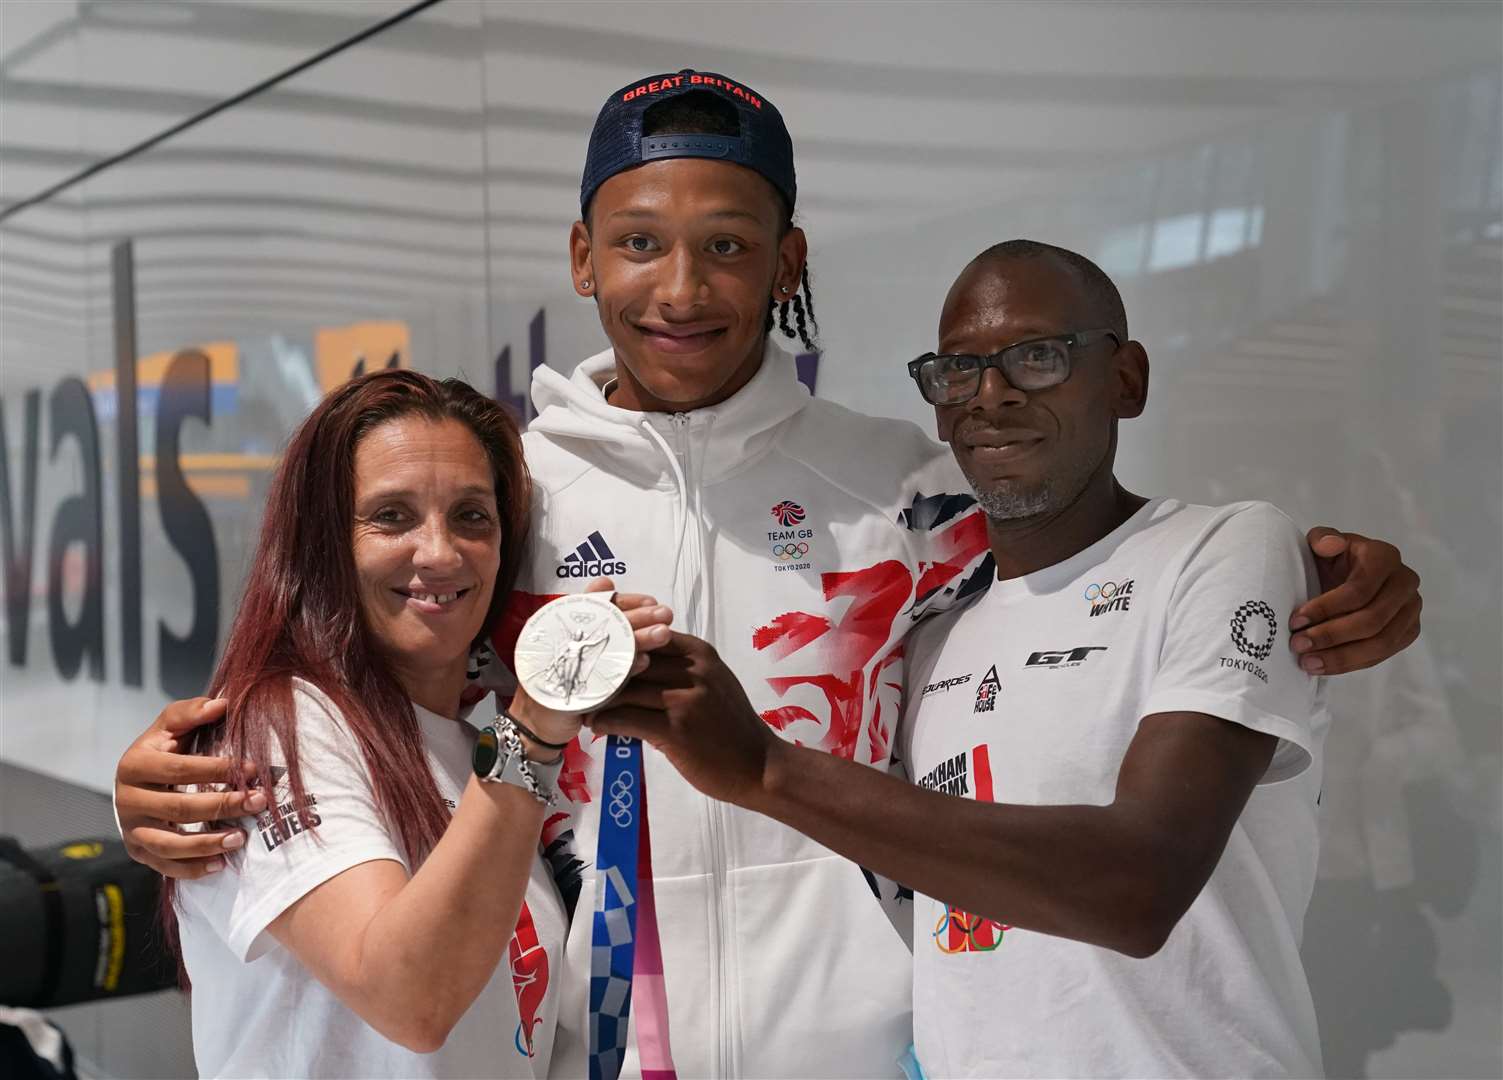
(487, 750)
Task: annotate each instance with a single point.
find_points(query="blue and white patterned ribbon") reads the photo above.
(613, 937)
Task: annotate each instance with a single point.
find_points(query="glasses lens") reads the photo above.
(951, 378)
(1035, 365)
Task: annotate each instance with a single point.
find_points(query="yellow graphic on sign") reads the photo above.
(83, 850)
(211, 476)
(339, 354)
(224, 367)
(342, 352)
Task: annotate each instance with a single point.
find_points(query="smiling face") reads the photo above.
(1033, 454)
(682, 257)
(427, 543)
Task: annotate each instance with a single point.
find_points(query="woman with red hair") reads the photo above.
(360, 930)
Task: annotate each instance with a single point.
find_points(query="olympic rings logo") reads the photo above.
(1101, 592)
(789, 552)
(961, 932)
(620, 806)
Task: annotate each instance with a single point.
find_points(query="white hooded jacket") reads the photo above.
(803, 541)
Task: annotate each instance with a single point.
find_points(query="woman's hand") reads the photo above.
(649, 621)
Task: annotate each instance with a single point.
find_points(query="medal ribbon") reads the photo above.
(625, 917)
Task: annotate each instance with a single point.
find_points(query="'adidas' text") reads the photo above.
(591, 559)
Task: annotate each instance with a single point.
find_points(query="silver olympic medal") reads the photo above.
(575, 652)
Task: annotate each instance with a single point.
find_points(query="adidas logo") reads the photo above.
(593, 558)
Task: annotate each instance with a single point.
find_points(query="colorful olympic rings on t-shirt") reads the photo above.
(960, 932)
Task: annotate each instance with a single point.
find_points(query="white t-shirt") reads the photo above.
(257, 1012)
(1030, 695)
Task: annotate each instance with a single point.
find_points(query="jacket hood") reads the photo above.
(724, 436)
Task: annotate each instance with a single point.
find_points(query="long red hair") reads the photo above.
(300, 612)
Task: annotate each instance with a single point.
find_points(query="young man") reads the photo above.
(1113, 829)
(803, 540)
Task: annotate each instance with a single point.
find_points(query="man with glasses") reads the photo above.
(1115, 755)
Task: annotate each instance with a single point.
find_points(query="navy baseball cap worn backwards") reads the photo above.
(617, 143)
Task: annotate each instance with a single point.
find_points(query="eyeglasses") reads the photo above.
(955, 378)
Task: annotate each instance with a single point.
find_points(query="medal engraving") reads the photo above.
(575, 652)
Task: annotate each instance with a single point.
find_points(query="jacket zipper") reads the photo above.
(719, 951)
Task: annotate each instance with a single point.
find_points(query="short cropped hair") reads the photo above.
(1101, 291)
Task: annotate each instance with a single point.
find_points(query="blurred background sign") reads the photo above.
(342, 352)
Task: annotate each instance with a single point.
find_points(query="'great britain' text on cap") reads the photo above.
(676, 82)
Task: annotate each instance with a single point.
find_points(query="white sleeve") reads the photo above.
(281, 862)
(1226, 639)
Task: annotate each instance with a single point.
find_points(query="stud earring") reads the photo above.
(785, 288)
(585, 284)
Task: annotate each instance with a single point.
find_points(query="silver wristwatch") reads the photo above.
(500, 759)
